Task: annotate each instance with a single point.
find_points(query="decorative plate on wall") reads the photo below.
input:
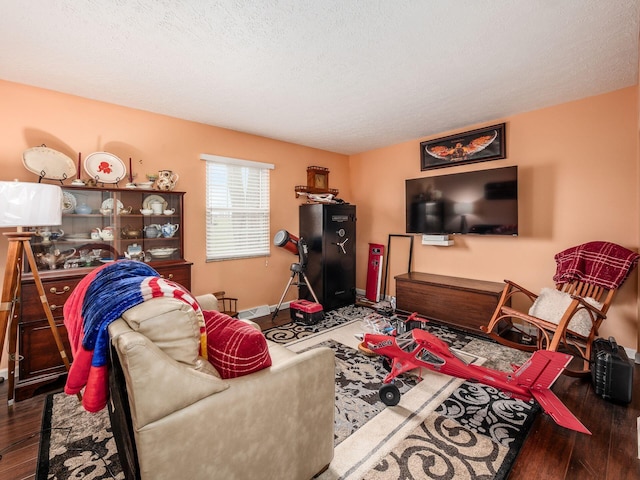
(48, 163)
(105, 167)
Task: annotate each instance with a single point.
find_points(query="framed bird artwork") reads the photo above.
(481, 145)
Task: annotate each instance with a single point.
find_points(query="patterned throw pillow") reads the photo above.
(234, 347)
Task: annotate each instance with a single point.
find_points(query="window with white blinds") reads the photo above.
(237, 208)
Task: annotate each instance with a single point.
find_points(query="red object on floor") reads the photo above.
(374, 272)
(306, 312)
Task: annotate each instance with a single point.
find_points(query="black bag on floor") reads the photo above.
(611, 371)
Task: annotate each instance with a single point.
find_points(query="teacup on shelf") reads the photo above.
(170, 211)
(146, 211)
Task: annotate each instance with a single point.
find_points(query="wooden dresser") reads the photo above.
(460, 302)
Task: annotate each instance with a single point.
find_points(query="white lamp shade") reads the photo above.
(25, 204)
(463, 208)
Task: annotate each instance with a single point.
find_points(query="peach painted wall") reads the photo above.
(578, 169)
(578, 163)
(32, 116)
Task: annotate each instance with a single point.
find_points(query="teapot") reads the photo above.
(135, 252)
(169, 229)
(166, 180)
(128, 232)
(153, 230)
(83, 209)
(48, 235)
(55, 258)
(57, 234)
(106, 233)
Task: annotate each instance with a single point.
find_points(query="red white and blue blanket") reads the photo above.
(100, 298)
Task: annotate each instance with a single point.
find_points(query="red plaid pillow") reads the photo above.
(234, 347)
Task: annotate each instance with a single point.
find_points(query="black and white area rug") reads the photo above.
(292, 331)
(75, 443)
(442, 427)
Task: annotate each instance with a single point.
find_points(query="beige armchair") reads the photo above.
(173, 417)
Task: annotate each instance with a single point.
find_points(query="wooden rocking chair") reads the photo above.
(568, 318)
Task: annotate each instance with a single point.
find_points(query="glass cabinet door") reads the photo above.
(100, 225)
(151, 225)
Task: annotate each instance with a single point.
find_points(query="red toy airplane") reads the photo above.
(418, 348)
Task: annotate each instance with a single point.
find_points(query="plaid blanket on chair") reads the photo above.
(600, 263)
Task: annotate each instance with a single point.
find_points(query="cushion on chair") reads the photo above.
(234, 347)
(551, 305)
(171, 324)
(208, 301)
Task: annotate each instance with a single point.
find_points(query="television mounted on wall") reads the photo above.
(482, 202)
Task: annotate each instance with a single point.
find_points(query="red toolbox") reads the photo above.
(304, 311)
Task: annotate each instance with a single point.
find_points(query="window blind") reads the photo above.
(237, 208)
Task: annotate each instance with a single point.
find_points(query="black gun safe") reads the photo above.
(329, 230)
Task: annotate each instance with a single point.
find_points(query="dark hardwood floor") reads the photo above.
(549, 452)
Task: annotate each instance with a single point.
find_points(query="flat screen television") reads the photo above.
(483, 202)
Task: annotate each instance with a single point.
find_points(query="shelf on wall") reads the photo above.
(320, 191)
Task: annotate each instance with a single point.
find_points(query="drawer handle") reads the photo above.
(54, 307)
(169, 277)
(55, 291)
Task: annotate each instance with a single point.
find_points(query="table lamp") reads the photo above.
(463, 209)
(24, 205)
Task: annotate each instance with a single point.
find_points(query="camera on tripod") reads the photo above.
(296, 246)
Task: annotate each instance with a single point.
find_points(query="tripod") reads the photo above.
(296, 269)
(19, 246)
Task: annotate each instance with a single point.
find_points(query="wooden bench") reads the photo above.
(460, 302)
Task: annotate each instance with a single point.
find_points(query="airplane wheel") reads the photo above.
(390, 394)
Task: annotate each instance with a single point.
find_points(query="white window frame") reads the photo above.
(237, 214)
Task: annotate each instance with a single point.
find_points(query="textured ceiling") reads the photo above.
(341, 75)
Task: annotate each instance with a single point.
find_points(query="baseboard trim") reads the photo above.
(251, 313)
(283, 306)
(260, 311)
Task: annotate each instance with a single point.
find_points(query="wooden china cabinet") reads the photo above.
(98, 226)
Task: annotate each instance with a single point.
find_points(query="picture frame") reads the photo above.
(480, 145)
